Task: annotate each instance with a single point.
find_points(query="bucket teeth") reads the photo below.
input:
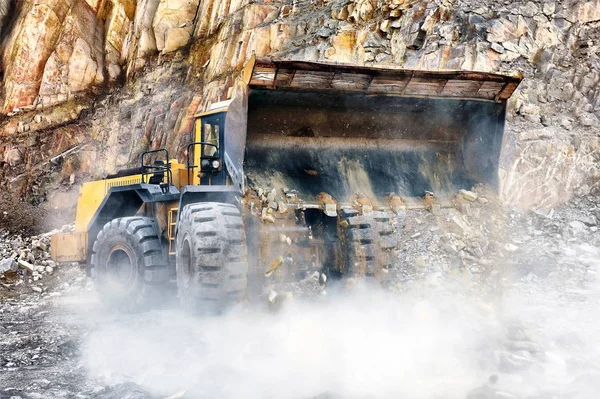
(329, 204)
(396, 204)
(364, 204)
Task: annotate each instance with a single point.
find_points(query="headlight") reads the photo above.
(216, 164)
(205, 163)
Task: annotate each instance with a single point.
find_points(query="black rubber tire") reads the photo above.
(369, 241)
(129, 243)
(212, 267)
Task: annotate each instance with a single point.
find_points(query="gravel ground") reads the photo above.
(501, 305)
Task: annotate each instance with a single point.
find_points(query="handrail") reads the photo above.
(188, 165)
(153, 169)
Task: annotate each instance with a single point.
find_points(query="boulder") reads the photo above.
(7, 264)
(173, 24)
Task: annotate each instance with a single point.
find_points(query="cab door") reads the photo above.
(210, 129)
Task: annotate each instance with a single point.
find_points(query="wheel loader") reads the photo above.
(305, 168)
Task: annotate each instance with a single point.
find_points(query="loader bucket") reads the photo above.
(347, 130)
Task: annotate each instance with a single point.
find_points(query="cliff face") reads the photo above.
(102, 80)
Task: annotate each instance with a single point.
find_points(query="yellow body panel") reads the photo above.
(197, 154)
(72, 247)
(93, 193)
(91, 196)
(69, 247)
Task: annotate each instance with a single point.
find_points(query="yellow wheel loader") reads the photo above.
(305, 169)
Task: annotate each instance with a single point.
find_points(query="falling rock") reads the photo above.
(274, 265)
(282, 207)
(323, 279)
(36, 289)
(272, 296)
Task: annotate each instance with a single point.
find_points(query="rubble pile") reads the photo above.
(31, 286)
(464, 238)
(559, 246)
(480, 240)
(25, 261)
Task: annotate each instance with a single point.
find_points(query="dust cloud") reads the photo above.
(366, 343)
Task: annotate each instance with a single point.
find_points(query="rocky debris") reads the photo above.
(494, 241)
(31, 337)
(39, 352)
(25, 260)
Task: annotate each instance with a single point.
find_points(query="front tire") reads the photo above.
(128, 264)
(212, 269)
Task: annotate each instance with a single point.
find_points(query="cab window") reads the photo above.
(210, 134)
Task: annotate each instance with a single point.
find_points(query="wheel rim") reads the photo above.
(186, 263)
(120, 267)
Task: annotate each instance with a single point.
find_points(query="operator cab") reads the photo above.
(205, 154)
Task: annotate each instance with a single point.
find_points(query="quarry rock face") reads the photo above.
(116, 77)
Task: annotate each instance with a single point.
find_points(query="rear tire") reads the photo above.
(369, 240)
(128, 264)
(212, 269)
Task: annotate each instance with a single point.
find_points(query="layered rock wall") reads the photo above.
(107, 79)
